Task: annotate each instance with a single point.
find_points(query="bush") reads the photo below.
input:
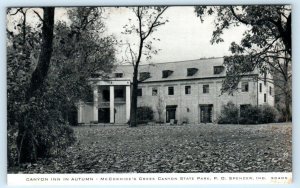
(258, 114)
(144, 114)
(40, 132)
(269, 114)
(229, 114)
(249, 114)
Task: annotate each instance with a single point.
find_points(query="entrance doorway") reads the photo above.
(103, 115)
(171, 113)
(206, 113)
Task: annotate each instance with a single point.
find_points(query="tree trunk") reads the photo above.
(287, 106)
(40, 73)
(133, 108)
(26, 144)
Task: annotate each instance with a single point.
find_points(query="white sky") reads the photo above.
(184, 37)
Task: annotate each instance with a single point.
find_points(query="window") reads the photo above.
(119, 93)
(218, 69)
(205, 88)
(265, 97)
(245, 86)
(119, 75)
(191, 71)
(144, 76)
(270, 90)
(166, 73)
(187, 90)
(170, 90)
(139, 92)
(154, 91)
(265, 77)
(260, 87)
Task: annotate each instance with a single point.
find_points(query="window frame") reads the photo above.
(154, 89)
(245, 86)
(191, 71)
(187, 89)
(140, 92)
(218, 69)
(260, 87)
(205, 88)
(119, 75)
(171, 88)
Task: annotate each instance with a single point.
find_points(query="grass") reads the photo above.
(188, 148)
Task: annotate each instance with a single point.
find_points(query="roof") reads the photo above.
(205, 69)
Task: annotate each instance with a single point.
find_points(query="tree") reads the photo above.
(148, 20)
(81, 52)
(25, 140)
(39, 107)
(266, 44)
(160, 107)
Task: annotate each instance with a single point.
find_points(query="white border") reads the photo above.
(149, 179)
(296, 68)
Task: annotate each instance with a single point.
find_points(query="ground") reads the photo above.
(185, 148)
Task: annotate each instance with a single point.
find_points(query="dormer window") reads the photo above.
(218, 69)
(119, 75)
(166, 73)
(191, 71)
(144, 76)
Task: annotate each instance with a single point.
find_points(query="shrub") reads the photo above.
(40, 132)
(144, 114)
(258, 114)
(249, 114)
(269, 114)
(229, 114)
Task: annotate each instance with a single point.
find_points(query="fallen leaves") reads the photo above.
(173, 149)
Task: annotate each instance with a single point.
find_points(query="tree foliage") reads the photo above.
(81, 52)
(266, 44)
(39, 106)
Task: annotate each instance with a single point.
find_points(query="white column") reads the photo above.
(79, 119)
(112, 103)
(127, 103)
(95, 106)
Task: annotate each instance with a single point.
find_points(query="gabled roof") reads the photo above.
(205, 69)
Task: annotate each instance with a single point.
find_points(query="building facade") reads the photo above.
(177, 92)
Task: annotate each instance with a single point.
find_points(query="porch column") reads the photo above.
(112, 103)
(127, 103)
(95, 106)
(79, 117)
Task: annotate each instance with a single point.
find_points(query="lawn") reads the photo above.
(174, 149)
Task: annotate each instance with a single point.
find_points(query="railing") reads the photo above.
(105, 104)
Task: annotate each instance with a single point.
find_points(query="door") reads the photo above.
(206, 113)
(103, 115)
(170, 113)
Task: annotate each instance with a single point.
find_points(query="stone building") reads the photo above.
(180, 92)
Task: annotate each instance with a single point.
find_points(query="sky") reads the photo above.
(184, 37)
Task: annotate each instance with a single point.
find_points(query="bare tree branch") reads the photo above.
(39, 16)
